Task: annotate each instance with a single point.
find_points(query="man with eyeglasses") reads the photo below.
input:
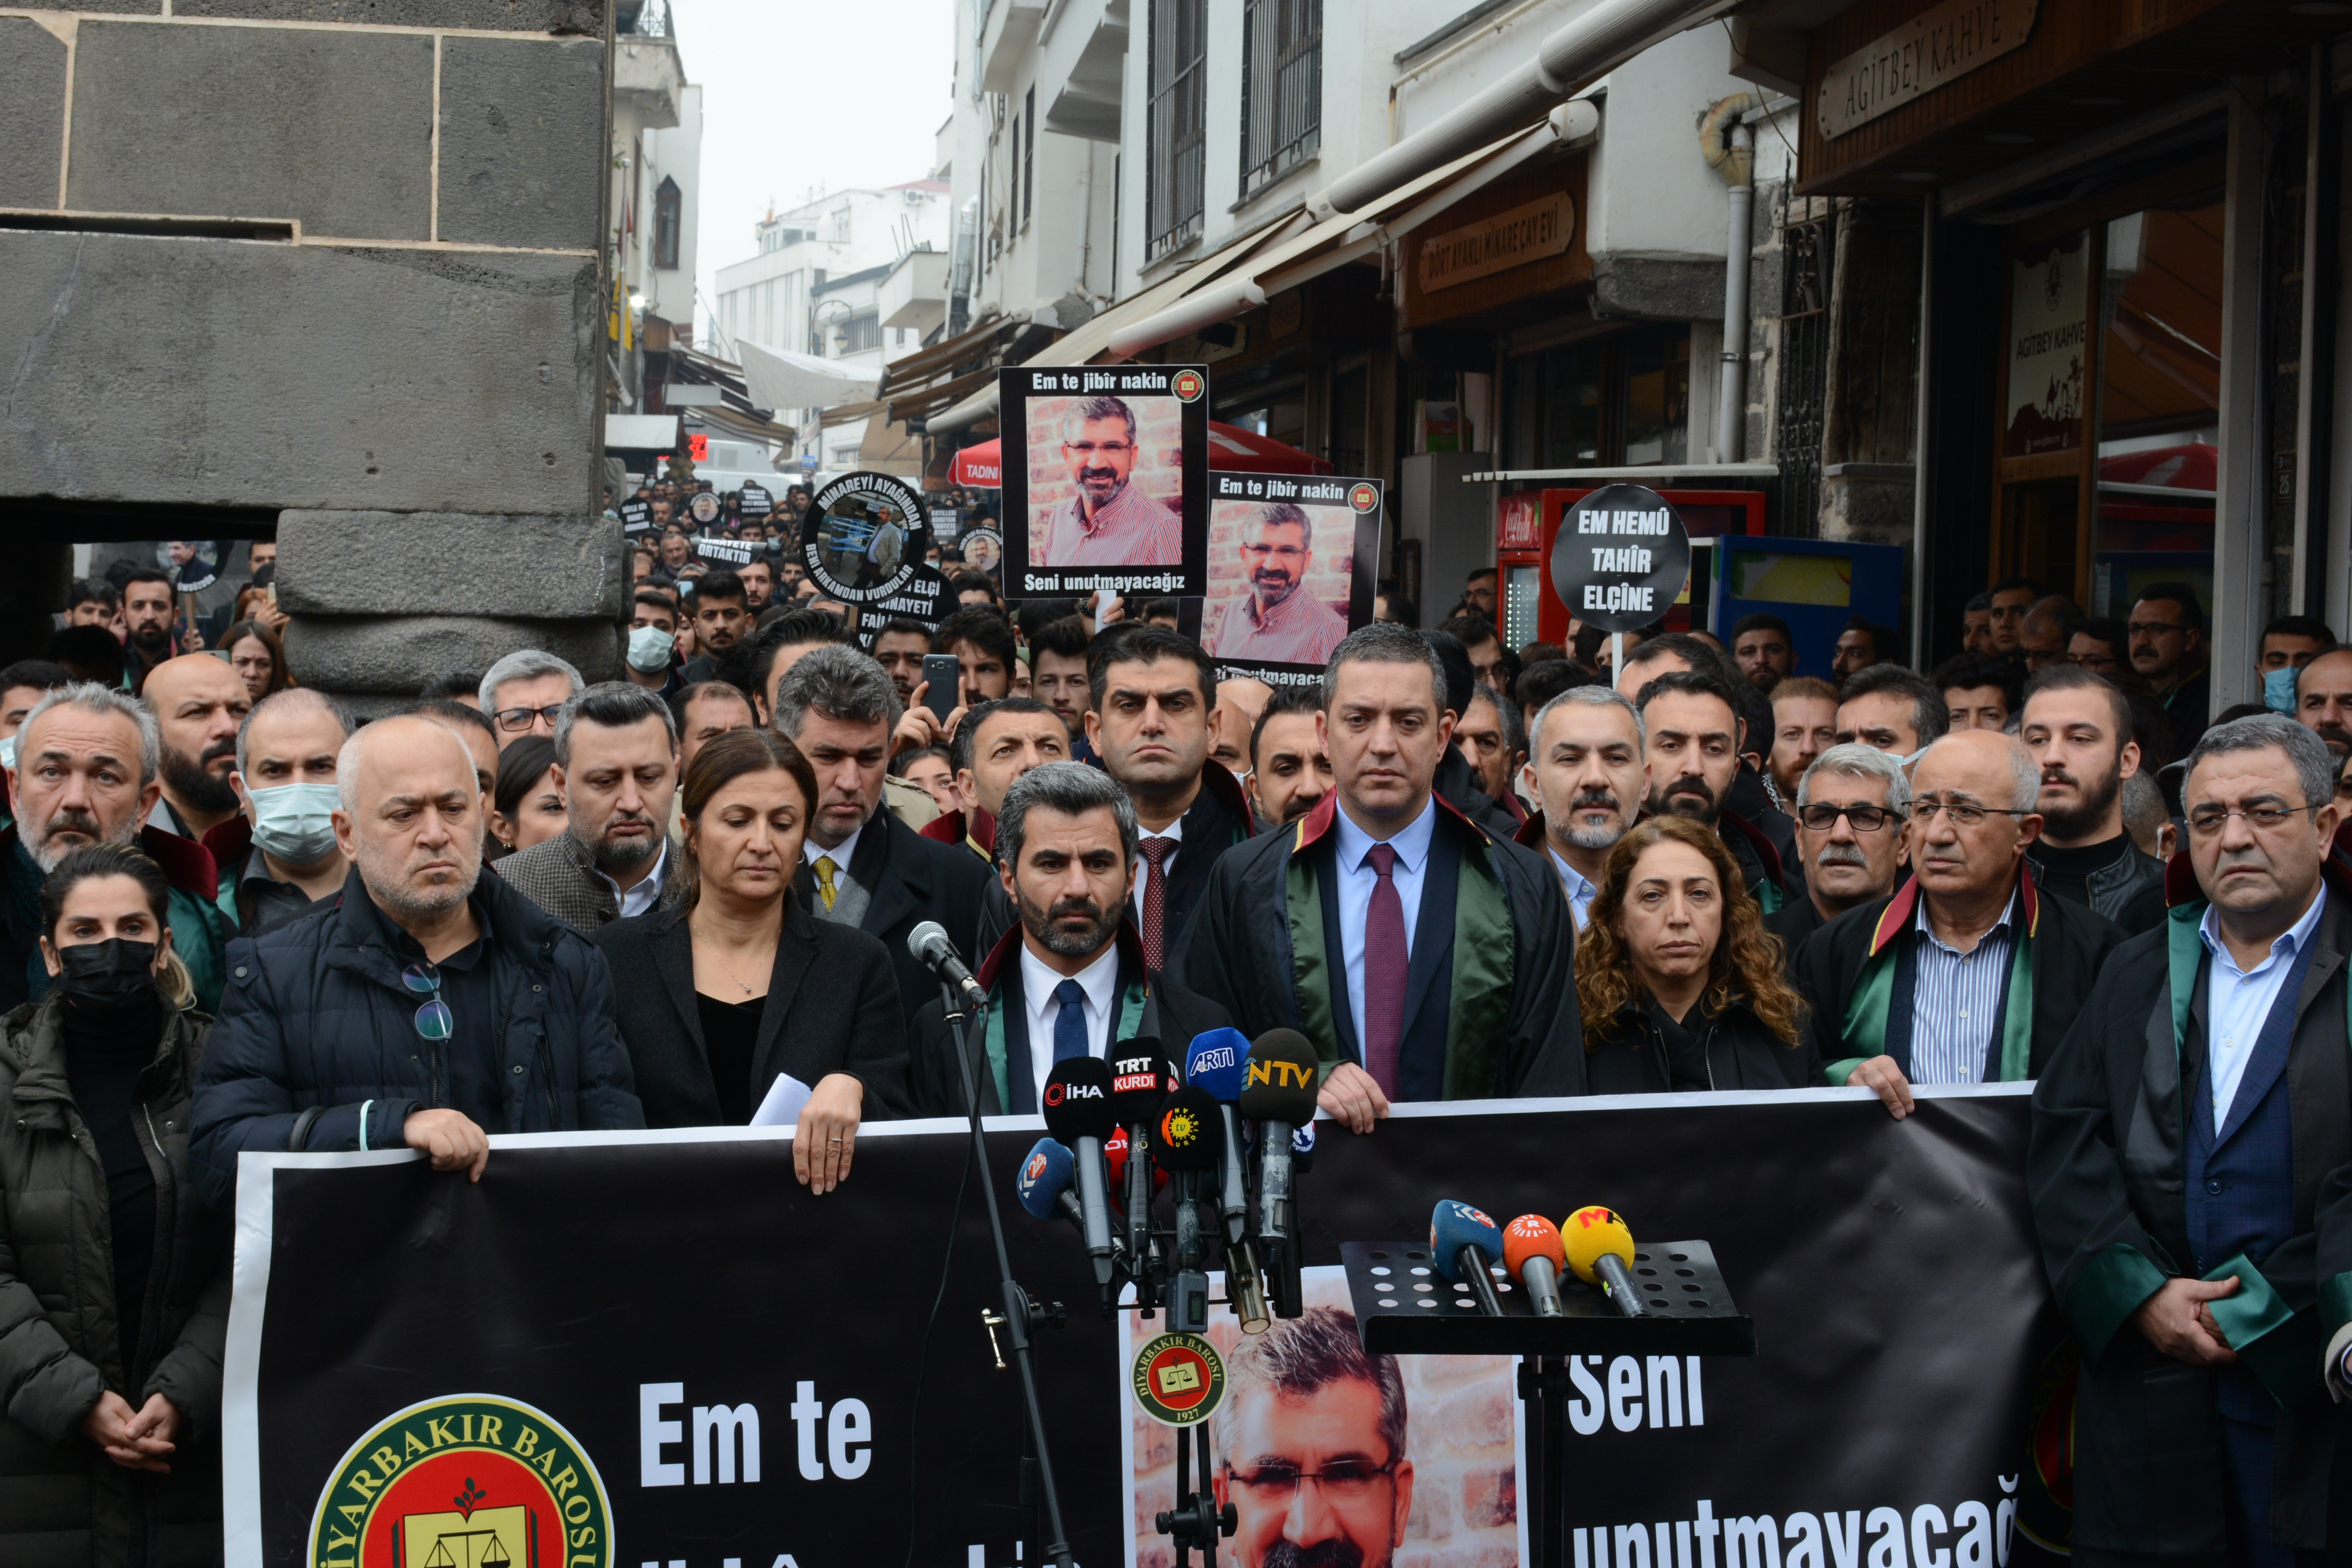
(1852, 804)
(1311, 1446)
(2079, 728)
(2168, 648)
(2192, 1141)
(1108, 521)
(1278, 621)
(1967, 974)
(2100, 645)
(524, 691)
(427, 1007)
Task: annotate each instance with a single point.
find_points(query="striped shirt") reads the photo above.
(1956, 999)
(1131, 529)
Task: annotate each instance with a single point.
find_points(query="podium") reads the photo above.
(1405, 1306)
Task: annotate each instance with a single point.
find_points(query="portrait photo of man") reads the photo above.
(1279, 610)
(1091, 482)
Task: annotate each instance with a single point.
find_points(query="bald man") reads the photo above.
(431, 1006)
(198, 702)
(1967, 973)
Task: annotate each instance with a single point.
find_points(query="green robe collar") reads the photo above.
(1133, 993)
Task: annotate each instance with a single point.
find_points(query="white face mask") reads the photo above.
(8, 752)
(295, 822)
(649, 651)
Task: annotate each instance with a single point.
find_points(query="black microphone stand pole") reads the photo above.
(1017, 1313)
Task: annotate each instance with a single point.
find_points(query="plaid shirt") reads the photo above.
(1131, 529)
(1301, 629)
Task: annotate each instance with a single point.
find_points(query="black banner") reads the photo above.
(637, 1347)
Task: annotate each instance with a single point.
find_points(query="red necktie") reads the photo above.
(1155, 897)
(1386, 963)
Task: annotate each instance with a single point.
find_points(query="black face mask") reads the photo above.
(110, 976)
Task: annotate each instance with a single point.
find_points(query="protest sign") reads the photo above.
(1105, 480)
(1291, 560)
(863, 542)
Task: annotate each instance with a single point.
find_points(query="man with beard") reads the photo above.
(616, 764)
(1851, 808)
(1290, 773)
(2323, 699)
(1764, 646)
(899, 648)
(1278, 622)
(720, 616)
(1805, 726)
(1584, 771)
(1109, 521)
(1690, 758)
(1313, 1433)
(428, 1007)
(996, 743)
(2168, 648)
(1068, 978)
(1967, 974)
(199, 702)
(2079, 728)
(87, 760)
(147, 612)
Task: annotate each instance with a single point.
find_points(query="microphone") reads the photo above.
(1076, 1099)
(1140, 1078)
(1214, 1065)
(1115, 1156)
(1191, 1144)
(1467, 1243)
(1533, 1253)
(929, 944)
(1599, 1248)
(1044, 1182)
(1190, 1139)
(1278, 1094)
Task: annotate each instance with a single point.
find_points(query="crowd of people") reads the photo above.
(237, 919)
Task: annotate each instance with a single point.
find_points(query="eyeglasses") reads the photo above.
(1964, 813)
(1343, 1480)
(1107, 448)
(1287, 551)
(1820, 816)
(2206, 821)
(433, 1019)
(516, 720)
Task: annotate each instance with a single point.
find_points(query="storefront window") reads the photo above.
(1657, 395)
(1279, 412)
(1622, 399)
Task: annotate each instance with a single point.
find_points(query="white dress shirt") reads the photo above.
(811, 851)
(636, 900)
(2238, 1001)
(1099, 980)
(1174, 833)
(1357, 880)
(1580, 892)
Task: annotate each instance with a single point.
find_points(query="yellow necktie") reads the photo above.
(824, 888)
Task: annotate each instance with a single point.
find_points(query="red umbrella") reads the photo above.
(1231, 449)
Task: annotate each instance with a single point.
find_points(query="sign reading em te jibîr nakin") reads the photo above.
(1106, 477)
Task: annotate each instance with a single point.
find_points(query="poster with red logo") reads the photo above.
(1292, 559)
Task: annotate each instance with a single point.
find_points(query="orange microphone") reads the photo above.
(1532, 1252)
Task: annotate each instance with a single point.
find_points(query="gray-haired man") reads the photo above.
(1852, 804)
(1584, 771)
(616, 762)
(279, 856)
(524, 691)
(1069, 979)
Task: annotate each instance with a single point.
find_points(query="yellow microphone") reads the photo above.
(1599, 1249)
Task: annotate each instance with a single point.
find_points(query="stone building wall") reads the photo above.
(329, 262)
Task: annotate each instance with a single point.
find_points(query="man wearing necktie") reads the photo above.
(1426, 958)
(1069, 978)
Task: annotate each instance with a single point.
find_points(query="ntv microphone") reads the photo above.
(1076, 1101)
(1533, 1254)
(1601, 1249)
(1190, 1141)
(1140, 1078)
(930, 947)
(1278, 1094)
(1467, 1244)
(1214, 1065)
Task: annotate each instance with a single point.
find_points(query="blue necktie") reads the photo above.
(1070, 1023)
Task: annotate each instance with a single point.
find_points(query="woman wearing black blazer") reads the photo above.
(719, 996)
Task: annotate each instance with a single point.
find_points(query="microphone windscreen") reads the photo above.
(1140, 1078)
(1590, 1234)
(1192, 1134)
(921, 940)
(1215, 1063)
(1115, 1158)
(1455, 1225)
(1532, 1235)
(1076, 1099)
(1044, 1176)
(1279, 1083)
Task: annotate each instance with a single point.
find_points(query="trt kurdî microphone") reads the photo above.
(1278, 1094)
(1533, 1254)
(1044, 1182)
(929, 944)
(1601, 1250)
(1466, 1244)
(1077, 1100)
(1215, 1063)
(1140, 1078)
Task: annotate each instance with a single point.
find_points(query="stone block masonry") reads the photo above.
(336, 260)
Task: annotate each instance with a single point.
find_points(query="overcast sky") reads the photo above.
(798, 94)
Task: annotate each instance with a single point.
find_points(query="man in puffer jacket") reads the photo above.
(426, 1008)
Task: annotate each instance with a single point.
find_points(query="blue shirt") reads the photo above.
(1955, 997)
(1357, 880)
(2238, 1001)
(1580, 892)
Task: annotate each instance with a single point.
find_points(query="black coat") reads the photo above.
(831, 1006)
(910, 879)
(1794, 923)
(1741, 1053)
(316, 1025)
(2106, 1173)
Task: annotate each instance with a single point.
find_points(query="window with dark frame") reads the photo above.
(1013, 170)
(665, 223)
(861, 330)
(1029, 157)
(1282, 89)
(1176, 131)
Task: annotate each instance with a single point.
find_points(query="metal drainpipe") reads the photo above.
(1731, 400)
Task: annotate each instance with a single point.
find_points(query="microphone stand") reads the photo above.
(1018, 1313)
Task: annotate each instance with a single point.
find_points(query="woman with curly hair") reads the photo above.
(1679, 982)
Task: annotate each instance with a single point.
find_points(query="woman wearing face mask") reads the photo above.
(286, 754)
(114, 1279)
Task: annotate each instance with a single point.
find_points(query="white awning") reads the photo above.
(641, 431)
(779, 378)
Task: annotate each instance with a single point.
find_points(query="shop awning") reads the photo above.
(736, 413)
(641, 433)
(981, 467)
(779, 378)
(1604, 36)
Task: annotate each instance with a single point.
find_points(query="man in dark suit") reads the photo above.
(1069, 979)
(861, 865)
(616, 762)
